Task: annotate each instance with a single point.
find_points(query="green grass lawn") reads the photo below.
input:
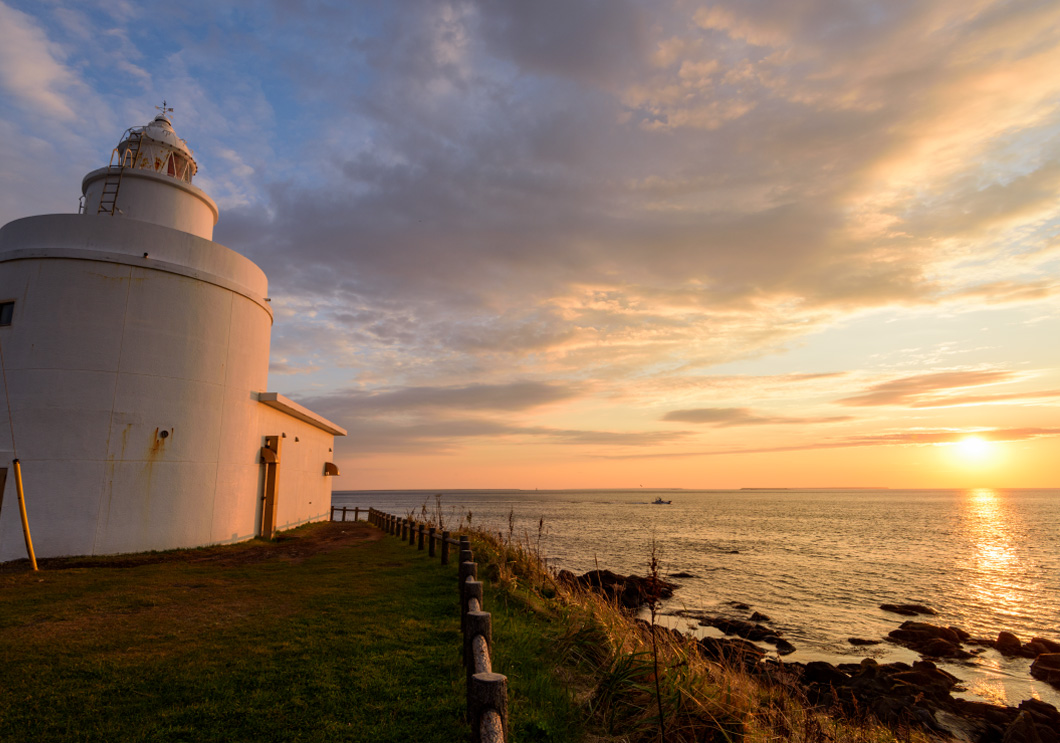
(251, 642)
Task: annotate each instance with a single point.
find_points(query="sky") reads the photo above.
(607, 243)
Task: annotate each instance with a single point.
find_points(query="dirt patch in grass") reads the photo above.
(291, 546)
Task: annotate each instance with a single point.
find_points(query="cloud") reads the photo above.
(510, 397)
(32, 67)
(949, 437)
(1009, 292)
(926, 389)
(594, 41)
(448, 434)
(901, 438)
(725, 417)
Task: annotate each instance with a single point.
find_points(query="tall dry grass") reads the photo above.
(606, 658)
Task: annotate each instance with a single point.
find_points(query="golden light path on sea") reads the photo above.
(991, 533)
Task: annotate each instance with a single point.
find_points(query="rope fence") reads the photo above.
(487, 692)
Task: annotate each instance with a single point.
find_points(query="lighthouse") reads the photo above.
(135, 358)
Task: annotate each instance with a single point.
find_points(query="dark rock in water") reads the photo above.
(736, 652)
(1046, 667)
(759, 617)
(566, 576)
(631, 591)
(927, 679)
(739, 606)
(733, 552)
(749, 631)
(929, 639)
(1001, 717)
(1008, 644)
(900, 695)
(819, 672)
(661, 630)
(961, 634)
(908, 610)
(784, 647)
(740, 628)
(1022, 730)
(1042, 711)
(859, 641)
(1052, 646)
(1034, 648)
(682, 575)
(939, 648)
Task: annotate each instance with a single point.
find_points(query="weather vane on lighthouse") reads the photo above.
(163, 108)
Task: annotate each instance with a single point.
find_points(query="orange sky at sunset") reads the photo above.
(583, 244)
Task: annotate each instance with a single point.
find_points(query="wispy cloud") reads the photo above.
(32, 68)
(902, 438)
(724, 417)
(944, 389)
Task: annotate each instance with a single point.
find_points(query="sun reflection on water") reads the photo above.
(989, 531)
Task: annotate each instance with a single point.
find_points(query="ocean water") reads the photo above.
(817, 562)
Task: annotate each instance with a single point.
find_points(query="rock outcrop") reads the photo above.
(908, 610)
(749, 631)
(931, 640)
(920, 695)
(1046, 667)
(631, 591)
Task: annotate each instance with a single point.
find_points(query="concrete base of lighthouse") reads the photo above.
(135, 359)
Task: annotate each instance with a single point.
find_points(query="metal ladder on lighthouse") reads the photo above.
(108, 199)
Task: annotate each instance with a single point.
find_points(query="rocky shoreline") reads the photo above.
(897, 694)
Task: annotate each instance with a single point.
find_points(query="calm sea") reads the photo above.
(818, 562)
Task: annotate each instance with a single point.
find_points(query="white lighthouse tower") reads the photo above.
(135, 355)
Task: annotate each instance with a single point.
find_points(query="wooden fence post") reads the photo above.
(356, 513)
(467, 570)
(420, 532)
(476, 623)
(486, 692)
(445, 547)
(430, 541)
(472, 590)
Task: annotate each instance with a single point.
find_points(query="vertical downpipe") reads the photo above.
(270, 457)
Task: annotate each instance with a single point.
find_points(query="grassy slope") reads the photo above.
(348, 645)
(355, 642)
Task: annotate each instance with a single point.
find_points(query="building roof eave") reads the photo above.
(302, 413)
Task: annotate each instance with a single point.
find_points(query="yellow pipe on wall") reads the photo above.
(22, 511)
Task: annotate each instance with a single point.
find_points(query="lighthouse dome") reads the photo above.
(149, 179)
(156, 147)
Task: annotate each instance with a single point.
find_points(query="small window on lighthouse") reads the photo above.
(7, 311)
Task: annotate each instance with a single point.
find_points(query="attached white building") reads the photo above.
(135, 352)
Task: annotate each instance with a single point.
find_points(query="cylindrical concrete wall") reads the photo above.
(133, 360)
(154, 197)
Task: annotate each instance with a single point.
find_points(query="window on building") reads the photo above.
(7, 311)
